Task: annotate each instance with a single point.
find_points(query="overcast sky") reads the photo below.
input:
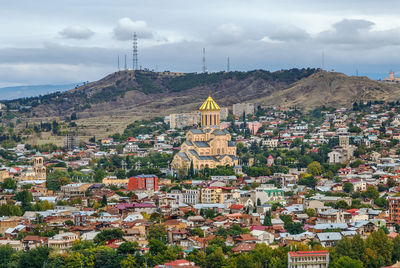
(51, 42)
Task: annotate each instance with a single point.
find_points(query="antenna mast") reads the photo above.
(125, 63)
(204, 61)
(118, 64)
(134, 53)
(228, 67)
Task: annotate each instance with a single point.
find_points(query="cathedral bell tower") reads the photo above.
(210, 113)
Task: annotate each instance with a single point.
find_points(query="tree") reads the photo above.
(35, 258)
(128, 262)
(371, 193)
(73, 116)
(108, 234)
(267, 219)
(197, 232)
(128, 248)
(314, 168)
(342, 204)
(391, 182)
(25, 197)
(351, 247)
(9, 183)
(156, 246)
(310, 212)
(348, 187)
(105, 257)
(56, 179)
(6, 253)
(356, 163)
(381, 244)
(69, 223)
(157, 231)
(99, 175)
(346, 262)
(396, 250)
(120, 173)
(104, 201)
(198, 257)
(216, 259)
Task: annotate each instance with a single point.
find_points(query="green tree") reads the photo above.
(310, 212)
(314, 168)
(381, 244)
(267, 219)
(342, 204)
(346, 262)
(391, 182)
(99, 175)
(56, 179)
(6, 253)
(371, 193)
(348, 187)
(69, 223)
(198, 257)
(156, 246)
(35, 258)
(216, 259)
(105, 257)
(157, 231)
(128, 248)
(9, 183)
(396, 250)
(104, 201)
(128, 262)
(108, 234)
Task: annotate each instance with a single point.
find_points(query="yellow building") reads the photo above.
(209, 146)
(37, 172)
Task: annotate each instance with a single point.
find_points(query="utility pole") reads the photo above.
(204, 61)
(134, 52)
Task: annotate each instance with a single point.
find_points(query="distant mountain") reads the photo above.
(9, 93)
(145, 94)
(129, 95)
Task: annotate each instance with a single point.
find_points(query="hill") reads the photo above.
(334, 90)
(144, 93)
(108, 105)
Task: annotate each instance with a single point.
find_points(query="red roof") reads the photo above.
(237, 207)
(307, 253)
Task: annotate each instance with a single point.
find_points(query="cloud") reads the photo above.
(76, 32)
(289, 33)
(126, 27)
(356, 33)
(227, 34)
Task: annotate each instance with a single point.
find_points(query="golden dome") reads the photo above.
(209, 105)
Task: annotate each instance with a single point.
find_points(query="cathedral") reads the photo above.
(209, 146)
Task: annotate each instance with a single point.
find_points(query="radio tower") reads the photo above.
(228, 67)
(118, 64)
(134, 53)
(204, 61)
(125, 63)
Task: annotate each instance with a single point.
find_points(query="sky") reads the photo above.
(58, 42)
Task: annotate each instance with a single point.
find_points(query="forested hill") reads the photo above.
(138, 94)
(153, 91)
